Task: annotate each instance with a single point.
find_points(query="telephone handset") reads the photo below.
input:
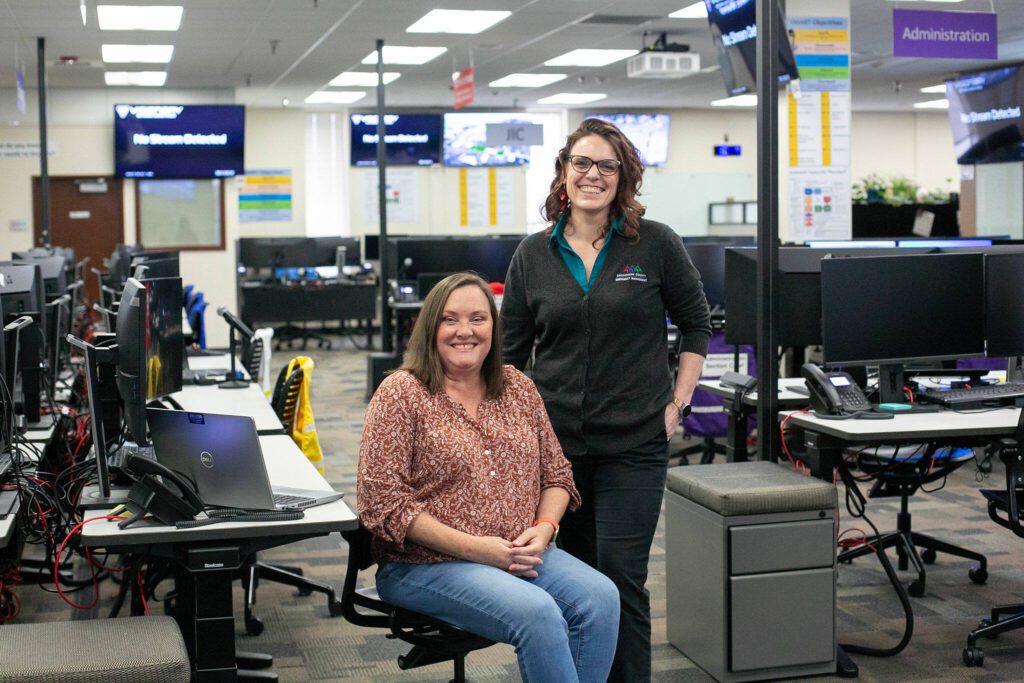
(169, 498)
(835, 393)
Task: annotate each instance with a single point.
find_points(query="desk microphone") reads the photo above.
(406, 265)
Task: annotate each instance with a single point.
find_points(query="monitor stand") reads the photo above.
(891, 380)
(1015, 369)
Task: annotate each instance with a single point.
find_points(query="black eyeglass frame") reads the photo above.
(591, 162)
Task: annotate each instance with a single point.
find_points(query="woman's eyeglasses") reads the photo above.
(582, 164)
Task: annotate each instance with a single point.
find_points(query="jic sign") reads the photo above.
(952, 35)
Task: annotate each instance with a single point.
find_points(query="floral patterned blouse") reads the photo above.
(422, 452)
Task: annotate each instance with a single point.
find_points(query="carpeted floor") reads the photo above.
(309, 645)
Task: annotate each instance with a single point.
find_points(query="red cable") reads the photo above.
(142, 591)
(798, 467)
(56, 565)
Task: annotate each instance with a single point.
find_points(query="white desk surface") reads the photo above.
(785, 396)
(221, 361)
(39, 435)
(211, 398)
(286, 466)
(914, 426)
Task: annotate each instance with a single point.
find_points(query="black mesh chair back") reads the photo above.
(285, 399)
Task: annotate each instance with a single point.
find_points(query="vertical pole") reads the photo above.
(386, 342)
(44, 172)
(768, 36)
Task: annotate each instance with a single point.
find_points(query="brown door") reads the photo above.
(86, 214)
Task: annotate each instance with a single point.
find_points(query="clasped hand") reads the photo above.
(519, 557)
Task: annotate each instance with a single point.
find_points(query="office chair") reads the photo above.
(252, 358)
(1006, 508)
(433, 640)
(196, 320)
(901, 471)
(186, 294)
(285, 401)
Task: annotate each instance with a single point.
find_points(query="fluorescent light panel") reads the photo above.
(457, 21)
(400, 54)
(950, 1)
(573, 98)
(146, 54)
(697, 10)
(736, 101)
(335, 97)
(932, 104)
(935, 89)
(588, 57)
(137, 18)
(362, 79)
(153, 79)
(526, 80)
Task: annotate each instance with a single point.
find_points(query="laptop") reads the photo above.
(221, 455)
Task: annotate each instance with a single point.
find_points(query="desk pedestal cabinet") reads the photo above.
(750, 596)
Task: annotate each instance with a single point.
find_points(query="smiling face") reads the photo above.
(591, 192)
(464, 335)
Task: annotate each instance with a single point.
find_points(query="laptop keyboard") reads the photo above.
(289, 501)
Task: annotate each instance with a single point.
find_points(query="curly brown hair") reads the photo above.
(631, 175)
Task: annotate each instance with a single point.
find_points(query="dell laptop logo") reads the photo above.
(207, 459)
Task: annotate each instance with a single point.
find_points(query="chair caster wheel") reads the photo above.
(974, 656)
(305, 591)
(334, 607)
(916, 589)
(928, 556)
(978, 575)
(253, 626)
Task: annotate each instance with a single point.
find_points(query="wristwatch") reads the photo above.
(684, 408)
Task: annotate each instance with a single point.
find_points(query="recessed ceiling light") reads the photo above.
(573, 98)
(926, 0)
(401, 54)
(935, 89)
(697, 10)
(736, 101)
(588, 57)
(362, 79)
(335, 97)
(526, 80)
(148, 54)
(153, 79)
(932, 104)
(457, 21)
(134, 18)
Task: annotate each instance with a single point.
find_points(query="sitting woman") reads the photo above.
(462, 482)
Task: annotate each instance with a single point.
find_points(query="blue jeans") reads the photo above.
(563, 624)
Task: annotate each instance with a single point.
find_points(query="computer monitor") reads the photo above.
(119, 264)
(157, 264)
(709, 260)
(891, 310)
(23, 348)
(850, 244)
(488, 256)
(969, 243)
(54, 269)
(1004, 305)
(132, 363)
(165, 341)
(323, 251)
(22, 290)
(58, 324)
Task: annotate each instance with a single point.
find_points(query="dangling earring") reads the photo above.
(564, 199)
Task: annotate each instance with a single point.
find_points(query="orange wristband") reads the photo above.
(541, 520)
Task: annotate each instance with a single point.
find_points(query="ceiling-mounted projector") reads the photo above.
(657, 64)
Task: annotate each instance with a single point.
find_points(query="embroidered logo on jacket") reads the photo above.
(634, 273)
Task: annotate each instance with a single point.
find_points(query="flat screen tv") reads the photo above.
(465, 140)
(179, 141)
(409, 139)
(985, 115)
(647, 132)
(734, 30)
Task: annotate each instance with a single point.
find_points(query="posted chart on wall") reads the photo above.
(485, 196)
(819, 204)
(401, 196)
(265, 196)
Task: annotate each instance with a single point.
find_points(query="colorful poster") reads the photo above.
(400, 196)
(485, 196)
(819, 204)
(949, 35)
(265, 196)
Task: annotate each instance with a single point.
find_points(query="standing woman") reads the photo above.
(587, 298)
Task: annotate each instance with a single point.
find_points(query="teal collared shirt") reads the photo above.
(572, 259)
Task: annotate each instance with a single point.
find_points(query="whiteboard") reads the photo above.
(681, 200)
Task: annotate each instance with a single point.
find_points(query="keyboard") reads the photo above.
(284, 500)
(996, 393)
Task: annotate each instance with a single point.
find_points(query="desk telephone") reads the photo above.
(170, 499)
(836, 394)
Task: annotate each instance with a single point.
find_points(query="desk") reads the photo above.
(736, 436)
(207, 558)
(220, 361)
(277, 303)
(248, 401)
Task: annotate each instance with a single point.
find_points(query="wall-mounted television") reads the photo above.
(734, 30)
(647, 132)
(409, 139)
(985, 115)
(465, 140)
(179, 141)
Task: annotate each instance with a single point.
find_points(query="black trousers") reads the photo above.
(613, 531)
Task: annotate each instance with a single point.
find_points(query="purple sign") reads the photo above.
(951, 35)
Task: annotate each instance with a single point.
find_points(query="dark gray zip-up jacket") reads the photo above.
(601, 362)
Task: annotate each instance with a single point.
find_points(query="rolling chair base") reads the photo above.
(289, 576)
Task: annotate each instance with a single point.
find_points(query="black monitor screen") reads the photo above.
(1004, 304)
(324, 251)
(409, 139)
(709, 259)
(985, 116)
(891, 309)
(179, 141)
(156, 267)
(165, 348)
(132, 367)
(22, 290)
(488, 256)
(734, 30)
